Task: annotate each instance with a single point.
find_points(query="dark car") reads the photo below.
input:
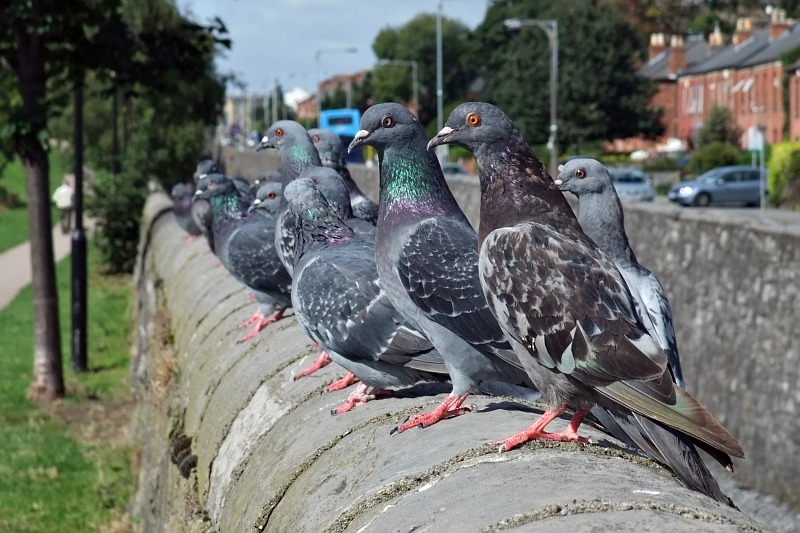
(632, 184)
(735, 185)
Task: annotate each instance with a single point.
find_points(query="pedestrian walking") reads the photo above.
(63, 198)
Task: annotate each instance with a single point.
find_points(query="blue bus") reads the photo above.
(344, 123)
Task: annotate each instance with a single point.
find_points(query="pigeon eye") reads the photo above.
(580, 173)
(387, 122)
(315, 138)
(279, 132)
(474, 119)
(271, 196)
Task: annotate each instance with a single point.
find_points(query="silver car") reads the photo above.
(738, 185)
(632, 185)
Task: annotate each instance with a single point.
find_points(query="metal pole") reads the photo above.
(275, 100)
(441, 151)
(415, 85)
(553, 97)
(319, 91)
(78, 255)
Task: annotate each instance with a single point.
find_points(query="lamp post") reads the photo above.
(550, 27)
(350, 50)
(441, 151)
(414, 78)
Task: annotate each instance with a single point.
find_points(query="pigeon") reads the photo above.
(338, 299)
(245, 246)
(201, 208)
(297, 153)
(569, 314)
(601, 218)
(204, 168)
(244, 187)
(332, 187)
(332, 154)
(427, 259)
(261, 179)
(182, 195)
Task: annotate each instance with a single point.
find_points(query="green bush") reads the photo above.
(116, 204)
(784, 174)
(716, 154)
(662, 163)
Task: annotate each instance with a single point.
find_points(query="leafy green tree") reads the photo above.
(416, 41)
(714, 154)
(719, 127)
(599, 95)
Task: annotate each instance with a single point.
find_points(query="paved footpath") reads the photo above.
(15, 265)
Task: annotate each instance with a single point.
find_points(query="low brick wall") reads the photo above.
(229, 442)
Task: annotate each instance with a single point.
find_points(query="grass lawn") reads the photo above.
(67, 467)
(14, 222)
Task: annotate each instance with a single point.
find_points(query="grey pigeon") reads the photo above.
(332, 187)
(338, 299)
(427, 259)
(569, 314)
(245, 246)
(261, 179)
(201, 208)
(244, 187)
(182, 195)
(332, 154)
(204, 168)
(297, 153)
(601, 218)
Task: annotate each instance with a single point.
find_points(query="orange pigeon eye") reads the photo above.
(315, 138)
(271, 196)
(279, 132)
(387, 122)
(474, 119)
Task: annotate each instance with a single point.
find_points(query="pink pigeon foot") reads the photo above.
(250, 297)
(322, 361)
(254, 318)
(340, 384)
(264, 322)
(449, 408)
(536, 431)
(360, 396)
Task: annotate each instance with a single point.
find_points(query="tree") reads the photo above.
(719, 127)
(600, 97)
(416, 41)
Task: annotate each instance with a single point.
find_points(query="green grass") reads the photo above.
(61, 468)
(14, 222)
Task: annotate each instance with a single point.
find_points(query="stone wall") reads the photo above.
(229, 442)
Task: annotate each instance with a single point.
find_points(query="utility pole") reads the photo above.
(78, 254)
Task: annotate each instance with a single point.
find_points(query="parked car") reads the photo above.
(455, 169)
(734, 185)
(632, 185)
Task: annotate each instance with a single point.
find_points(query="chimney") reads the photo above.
(677, 56)
(657, 45)
(744, 30)
(716, 39)
(778, 24)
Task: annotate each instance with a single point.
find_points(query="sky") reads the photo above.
(280, 38)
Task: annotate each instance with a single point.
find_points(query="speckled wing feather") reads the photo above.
(438, 268)
(340, 303)
(252, 258)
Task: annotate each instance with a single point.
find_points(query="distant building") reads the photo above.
(746, 76)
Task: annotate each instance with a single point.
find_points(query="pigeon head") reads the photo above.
(205, 168)
(180, 190)
(214, 185)
(328, 182)
(386, 122)
(329, 146)
(268, 197)
(282, 133)
(583, 176)
(474, 125)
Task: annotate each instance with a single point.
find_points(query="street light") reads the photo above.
(351, 50)
(550, 27)
(414, 77)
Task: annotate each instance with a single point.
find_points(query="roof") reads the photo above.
(734, 55)
(657, 68)
(786, 41)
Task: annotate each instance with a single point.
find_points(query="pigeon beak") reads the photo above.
(558, 182)
(358, 140)
(254, 205)
(441, 137)
(265, 143)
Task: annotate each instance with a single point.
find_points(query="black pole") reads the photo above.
(79, 355)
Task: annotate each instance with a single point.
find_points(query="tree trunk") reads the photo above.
(48, 378)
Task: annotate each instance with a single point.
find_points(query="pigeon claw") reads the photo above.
(537, 432)
(255, 317)
(449, 408)
(340, 384)
(360, 396)
(322, 361)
